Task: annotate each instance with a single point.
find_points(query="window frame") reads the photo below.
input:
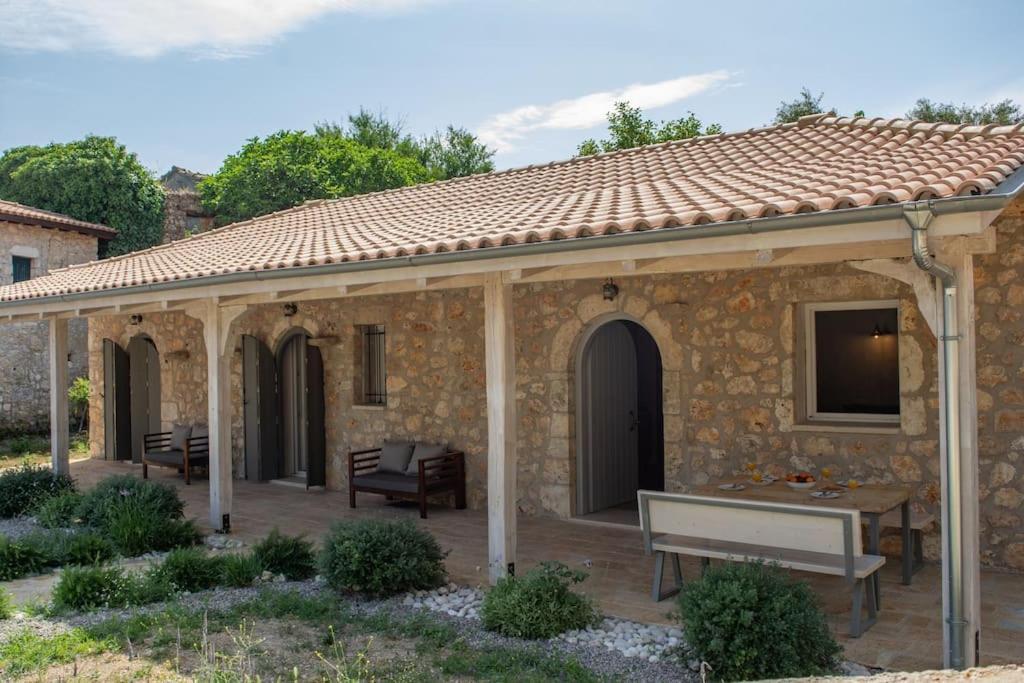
(15, 260)
(811, 413)
(366, 332)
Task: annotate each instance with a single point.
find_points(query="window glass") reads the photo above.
(22, 268)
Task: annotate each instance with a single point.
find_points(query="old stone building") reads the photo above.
(184, 214)
(32, 244)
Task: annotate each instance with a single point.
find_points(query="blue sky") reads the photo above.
(187, 81)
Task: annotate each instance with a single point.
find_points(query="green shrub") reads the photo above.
(24, 488)
(6, 605)
(23, 444)
(539, 604)
(191, 569)
(381, 557)
(18, 559)
(59, 511)
(114, 493)
(85, 588)
(292, 556)
(240, 570)
(49, 547)
(135, 529)
(87, 547)
(752, 621)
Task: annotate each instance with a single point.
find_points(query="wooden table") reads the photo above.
(873, 501)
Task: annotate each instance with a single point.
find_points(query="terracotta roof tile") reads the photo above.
(19, 213)
(819, 163)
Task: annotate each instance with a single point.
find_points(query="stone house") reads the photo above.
(33, 243)
(837, 292)
(184, 213)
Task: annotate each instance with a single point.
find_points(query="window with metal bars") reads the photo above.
(374, 371)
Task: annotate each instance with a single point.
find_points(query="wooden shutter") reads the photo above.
(260, 407)
(144, 364)
(316, 440)
(117, 434)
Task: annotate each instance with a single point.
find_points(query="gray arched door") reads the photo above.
(144, 380)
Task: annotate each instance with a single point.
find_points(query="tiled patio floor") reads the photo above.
(908, 635)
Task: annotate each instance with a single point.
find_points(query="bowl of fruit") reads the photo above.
(800, 480)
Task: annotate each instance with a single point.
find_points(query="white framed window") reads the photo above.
(852, 362)
(373, 374)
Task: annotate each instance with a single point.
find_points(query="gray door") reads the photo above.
(316, 445)
(609, 414)
(144, 378)
(117, 426)
(294, 432)
(260, 407)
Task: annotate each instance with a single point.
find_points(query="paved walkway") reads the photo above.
(908, 635)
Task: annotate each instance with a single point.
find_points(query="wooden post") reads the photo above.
(955, 255)
(59, 395)
(216, 333)
(499, 338)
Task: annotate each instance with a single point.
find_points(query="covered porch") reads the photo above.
(908, 635)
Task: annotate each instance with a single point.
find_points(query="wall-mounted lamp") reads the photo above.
(610, 290)
(290, 310)
(877, 332)
(134, 319)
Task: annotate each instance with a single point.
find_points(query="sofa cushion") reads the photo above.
(395, 456)
(388, 481)
(200, 432)
(422, 451)
(179, 435)
(173, 457)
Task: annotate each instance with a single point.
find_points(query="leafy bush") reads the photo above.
(59, 511)
(115, 492)
(6, 605)
(539, 604)
(18, 559)
(85, 588)
(292, 556)
(381, 557)
(27, 487)
(87, 547)
(752, 621)
(23, 444)
(240, 570)
(191, 569)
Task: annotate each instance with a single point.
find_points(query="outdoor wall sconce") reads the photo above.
(134, 319)
(610, 290)
(290, 310)
(880, 332)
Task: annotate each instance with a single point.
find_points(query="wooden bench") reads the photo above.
(160, 450)
(802, 537)
(440, 474)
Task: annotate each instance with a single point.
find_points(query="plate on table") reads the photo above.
(825, 495)
(763, 482)
(731, 487)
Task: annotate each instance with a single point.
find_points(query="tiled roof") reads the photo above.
(818, 164)
(13, 212)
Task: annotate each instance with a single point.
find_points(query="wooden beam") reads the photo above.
(59, 396)
(499, 342)
(907, 272)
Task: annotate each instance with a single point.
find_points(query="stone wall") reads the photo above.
(731, 363)
(184, 215)
(24, 361)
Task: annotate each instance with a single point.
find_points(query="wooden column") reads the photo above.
(59, 395)
(955, 255)
(499, 338)
(217, 335)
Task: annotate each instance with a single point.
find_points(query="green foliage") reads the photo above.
(27, 651)
(539, 604)
(6, 605)
(628, 128)
(91, 587)
(87, 547)
(380, 557)
(94, 179)
(24, 488)
(1005, 113)
(18, 559)
(59, 511)
(240, 570)
(751, 621)
(191, 569)
(292, 556)
(114, 492)
(135, 529)
(805, 104)
(23, 444)
(78, 393)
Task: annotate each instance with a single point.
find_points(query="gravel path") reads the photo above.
(17, 527)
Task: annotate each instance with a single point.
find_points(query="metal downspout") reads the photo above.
(918, 215)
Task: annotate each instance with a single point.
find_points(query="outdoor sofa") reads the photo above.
(182, 448)
(408, 470)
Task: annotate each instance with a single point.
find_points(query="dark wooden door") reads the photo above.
(316, 439)
(117, 426)
(144, 379)
(260, 408)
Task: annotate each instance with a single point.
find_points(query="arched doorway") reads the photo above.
(620, 422)
(144, 385)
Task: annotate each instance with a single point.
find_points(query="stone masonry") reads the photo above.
(730, 345)
(24, 361)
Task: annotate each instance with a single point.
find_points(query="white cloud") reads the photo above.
(148, 28)
(502, 130)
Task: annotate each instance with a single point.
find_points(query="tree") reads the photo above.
(628, 127)
(288, 167)
(804, 105)
(94, 179)
(1005, 113)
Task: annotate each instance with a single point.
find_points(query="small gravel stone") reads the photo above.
(19, 526)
